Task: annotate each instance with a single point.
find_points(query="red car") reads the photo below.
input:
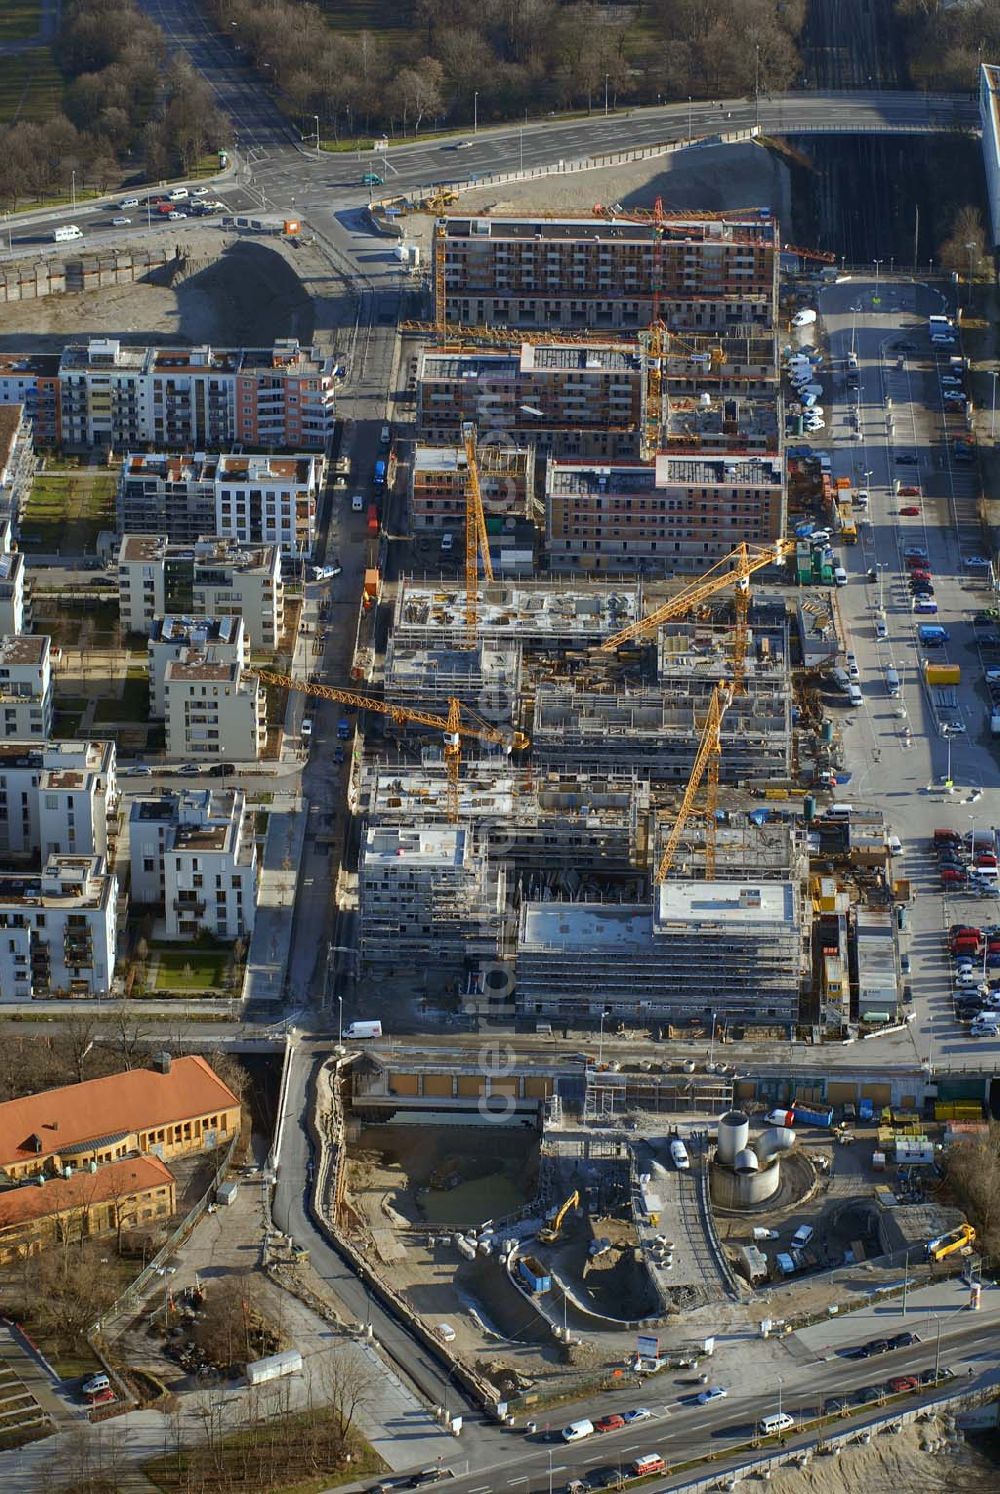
(910, 510)
(948, 875)
(613, 1423)
(899, 1384)
(909, 492)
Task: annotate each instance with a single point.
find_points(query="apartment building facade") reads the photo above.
(198, 399)
(700, 275)
(564, 400)
(15, 604)
(58, 929)
(25, 688)
(221, 639)
(32, 380)
(57, 798)
(17, 460)
(269, 500)
(212, 578)
(215, 712)
(194, 854)
(681, 512)
(160, 493)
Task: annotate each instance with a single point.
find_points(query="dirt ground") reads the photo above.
(238, 292)
(894, 1465)
(707, 177)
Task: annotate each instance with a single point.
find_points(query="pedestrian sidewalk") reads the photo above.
(946, 1302)
(270, 942)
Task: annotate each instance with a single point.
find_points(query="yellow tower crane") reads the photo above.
(706, 762)
(452, 725)
(734, 569)
(476, 539)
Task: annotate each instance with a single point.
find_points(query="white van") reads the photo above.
(363, 1030)
(892, 681)
(358, 504)
(177, 194)
(839, 576)
(770, 1426)
(67, 232)
(577, 1430)
(386, 436)
(854, 695)
(802, 1236)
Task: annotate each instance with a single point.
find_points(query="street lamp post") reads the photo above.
(316, 118)
(340, 1020)
(600, 1037)
(993, 412)
(520, 148)
(878, 264)
(756, 85)
(937, 1353)
(475, 112)
(72, 188)
(948, 781)
(711, 1045)
(607, 80)
(780, 1384)
(550, 1470)
(968, 297)
(906, 1277)
(690, 126)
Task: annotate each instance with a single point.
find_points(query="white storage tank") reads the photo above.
(734, 1136)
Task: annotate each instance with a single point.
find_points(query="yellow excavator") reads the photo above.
(549, 1233)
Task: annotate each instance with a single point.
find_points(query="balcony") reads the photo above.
(194, 908)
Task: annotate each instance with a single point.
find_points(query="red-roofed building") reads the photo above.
(177, 1107)
(125, 1194)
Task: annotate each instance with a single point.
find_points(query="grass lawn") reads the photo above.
(31, 86)
(294, 1454)
(20, 19)
(180, 968)
(132, 705)
(66, 511)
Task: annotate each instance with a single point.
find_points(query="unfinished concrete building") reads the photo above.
(600, 272)
(438, 477)
(572, 401)
(544, 617)
(428, 895)
(656, 730)
(734, 949)
(487, 677)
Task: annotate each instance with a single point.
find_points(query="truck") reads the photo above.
(801, 1115)
(274, 1367)
(956, 1239)
(942, 674)
(649, 1463)
(379, 477)
(66, 233)
(534, 1275)
(355, 1030)
(932, 635)
(373, 518)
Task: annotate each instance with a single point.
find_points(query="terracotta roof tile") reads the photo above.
(113, 1180)
(136, 1100)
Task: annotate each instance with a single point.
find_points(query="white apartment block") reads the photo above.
(251, 499)
(57, 798)
(58, 930)
(15, 609)
(212, 578)
(215, 712)
(25, 688)
(221, 640)
(269, 500)
(194, 854)
(17, 460)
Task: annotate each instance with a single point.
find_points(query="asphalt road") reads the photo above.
(905, 775)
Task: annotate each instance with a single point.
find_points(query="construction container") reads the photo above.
(808, 808)
(259, 1371)
(942, 674)
(226, 1193)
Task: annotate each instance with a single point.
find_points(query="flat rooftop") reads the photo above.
(756, 224)
(738, 905)
(756, 470)
(540, 607)
(426, 845)
(586, 926)
(566, 478)
(596, 359)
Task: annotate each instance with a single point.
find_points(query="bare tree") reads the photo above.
(353, 1385)
(79, 1034)
(129, 1035)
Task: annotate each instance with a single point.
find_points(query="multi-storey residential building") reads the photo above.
(269, 500)
(212, 578)
(566, 400)
(285, 397)
(197, 399)
(222, 639)
(438, 480)
(25, 688)
(58, 930)
(58, 798)
(252, 499)
(32, 380)
(194, 854)
(15, 606)
(178, 1107)
(170, 494)
(214, 711)
(699, 275)
(682, 512)
(17, 460)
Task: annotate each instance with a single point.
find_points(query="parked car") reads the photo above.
(679, 1156)
(612, 1423)
(900, 1384)
(189, 770)
(910, 511)
(136, 770)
